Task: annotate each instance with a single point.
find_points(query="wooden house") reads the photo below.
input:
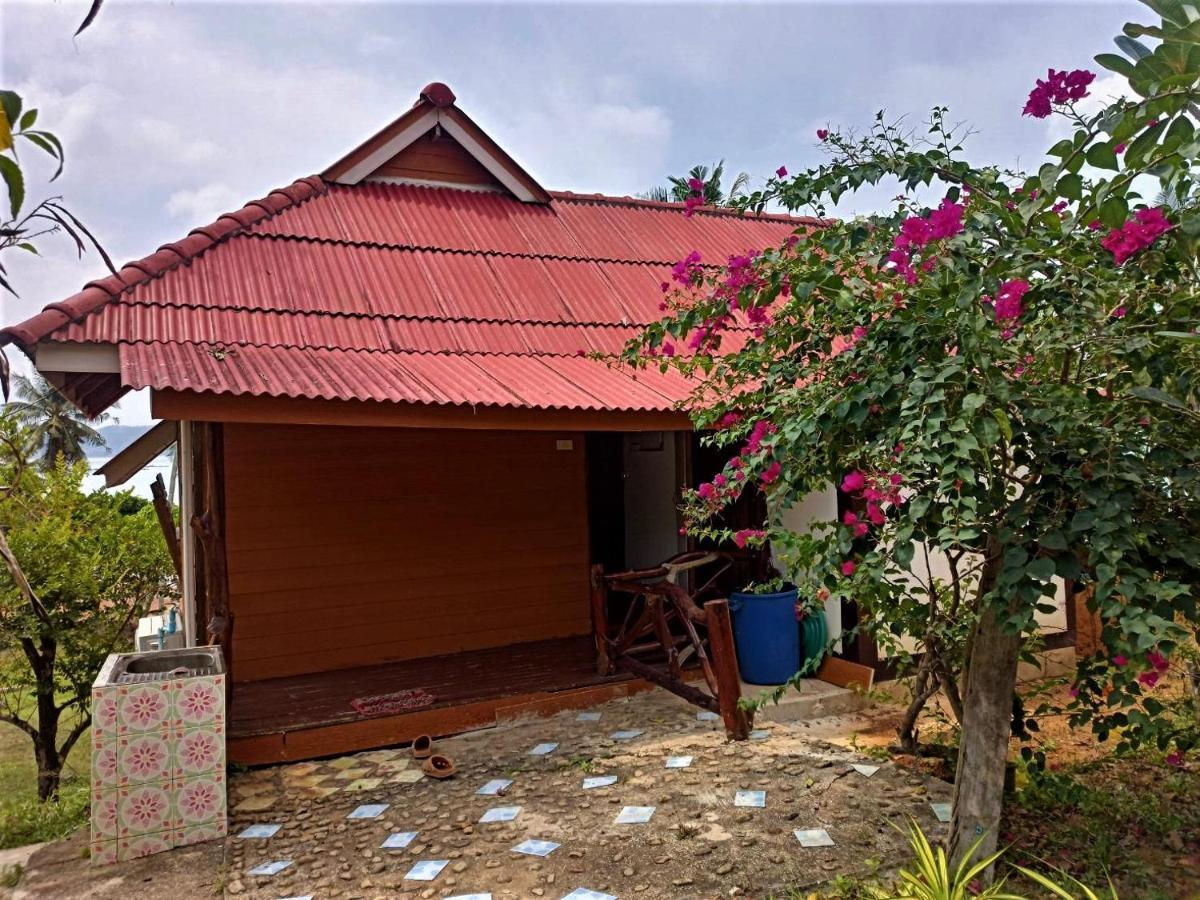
(398, 469)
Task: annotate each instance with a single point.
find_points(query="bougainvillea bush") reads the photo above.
(998, 371)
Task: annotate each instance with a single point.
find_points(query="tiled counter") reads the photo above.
(158, 765)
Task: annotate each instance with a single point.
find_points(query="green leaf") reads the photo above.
(1102, 157)
(1114, 211)
(15, 182)
(28, 119)
(1002, 420)
(1115, 63)
(1041, 569)
(10, 101)
(1071, 187)
(1132, 47)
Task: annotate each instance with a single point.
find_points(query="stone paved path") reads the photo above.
(696, 845)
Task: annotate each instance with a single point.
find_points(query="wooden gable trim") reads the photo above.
(377, 150)
(436, 158)
(139, 454)
(189, 405)
(435, 107)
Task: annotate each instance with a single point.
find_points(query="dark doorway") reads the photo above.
(606, 499)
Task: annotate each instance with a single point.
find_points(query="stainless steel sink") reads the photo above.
(161, 665)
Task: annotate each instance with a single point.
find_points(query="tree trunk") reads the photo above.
(45, 744)
(986, 729)
(924, 686)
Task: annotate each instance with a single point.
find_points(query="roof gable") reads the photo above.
(436, 159)
(363, 285)
(399, 150)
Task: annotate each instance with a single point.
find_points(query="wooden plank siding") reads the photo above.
(440, 159)
(354, 546)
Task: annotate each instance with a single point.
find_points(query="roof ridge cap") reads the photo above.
(102, 291)
(675, 206)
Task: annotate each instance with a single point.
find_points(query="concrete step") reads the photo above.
(815, 699)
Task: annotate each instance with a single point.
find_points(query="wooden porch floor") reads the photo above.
(307, 716)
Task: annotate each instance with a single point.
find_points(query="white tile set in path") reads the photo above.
(430, 869)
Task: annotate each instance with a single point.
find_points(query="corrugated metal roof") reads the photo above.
(540, 382)
(400, 293)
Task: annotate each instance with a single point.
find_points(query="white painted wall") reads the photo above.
(651, 498)
(819, 506)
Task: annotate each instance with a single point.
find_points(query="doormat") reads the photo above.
(390, 704)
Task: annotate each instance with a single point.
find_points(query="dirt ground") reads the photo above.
(697, 844)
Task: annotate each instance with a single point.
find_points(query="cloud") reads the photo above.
(205, 203)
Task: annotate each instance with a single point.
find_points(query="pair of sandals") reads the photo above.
(435, 765)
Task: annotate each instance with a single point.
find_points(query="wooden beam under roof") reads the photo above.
(128, 462)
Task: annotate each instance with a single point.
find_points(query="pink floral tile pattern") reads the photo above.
(199, 751)
(143, 758)
(104, 765)
(143, 707)
(144, 809)
(103, 853)
(199, 701)
(104, 713)
(198, 801)
(105, 824)
(142, 845)
(158, 766)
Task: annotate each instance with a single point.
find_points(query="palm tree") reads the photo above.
(678, 190)
(55, 425)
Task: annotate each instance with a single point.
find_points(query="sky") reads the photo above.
(175, 112)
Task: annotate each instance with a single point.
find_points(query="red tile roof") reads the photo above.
(402, 293)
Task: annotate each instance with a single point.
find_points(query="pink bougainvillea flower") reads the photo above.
(691, 204)
(696, 185)
(1057, 89)
(1073, 690)
(875, 514)
(1120, 148)
(822, 134)
(1095, 225)
(849, 567)
(1118, 313)
(770, 474)
(1138, 233)
(1175, 758)
(729, 419)
(1007, 305)
(853, 482)
(748, 534)
(706, 491)
(688, 270)
(1157, 661)
(781, 172)
(1120, 660)
(760, 430)
(1148, 679)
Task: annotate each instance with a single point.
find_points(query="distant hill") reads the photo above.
(118, 437)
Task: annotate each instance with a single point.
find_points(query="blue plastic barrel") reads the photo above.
(766, 636)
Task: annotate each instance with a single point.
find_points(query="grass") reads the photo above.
(23, 820)
(1133, 818)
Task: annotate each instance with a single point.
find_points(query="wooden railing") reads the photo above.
(664, 628)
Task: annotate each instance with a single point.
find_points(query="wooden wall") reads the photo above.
(440, 159)
(350, 546)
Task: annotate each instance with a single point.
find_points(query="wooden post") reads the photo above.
(166, 521)
(209, 526)
(724, 662)
(599, 594)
